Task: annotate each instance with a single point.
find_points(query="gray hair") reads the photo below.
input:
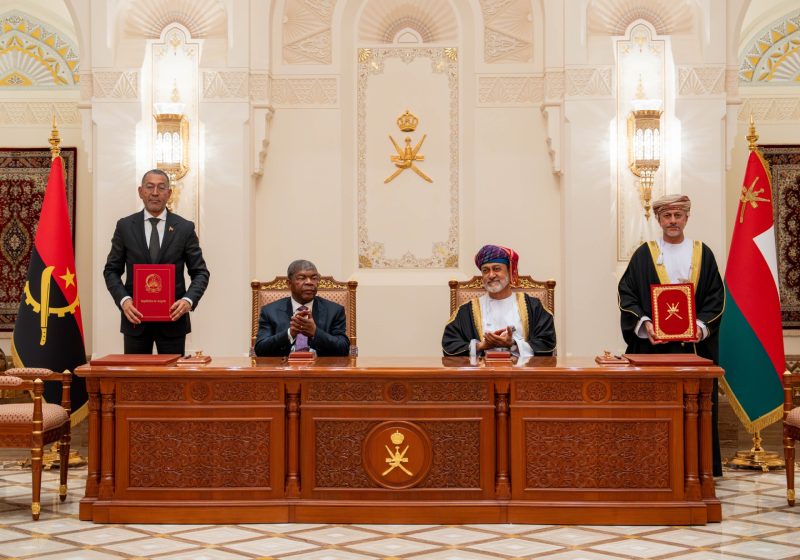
(155, 172)
(298, 265)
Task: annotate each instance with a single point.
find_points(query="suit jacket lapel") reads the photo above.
(317, 312)
(137, 231)
(169, 234)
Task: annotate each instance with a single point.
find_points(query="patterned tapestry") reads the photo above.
(784, 162)
(23, 179)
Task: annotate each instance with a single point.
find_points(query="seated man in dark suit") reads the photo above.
(303, 321)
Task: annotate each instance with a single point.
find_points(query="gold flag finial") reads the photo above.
(752, 137)
(54, 140)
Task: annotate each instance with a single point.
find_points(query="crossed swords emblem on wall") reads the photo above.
(42, 307)
(407, 156)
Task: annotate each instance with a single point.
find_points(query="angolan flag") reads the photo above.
(751, 335)
(49, 332)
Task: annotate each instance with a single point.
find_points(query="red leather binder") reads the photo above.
(154, 290)
(135, 360)
(674, 314)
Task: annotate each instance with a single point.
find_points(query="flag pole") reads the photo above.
(756, 457)
(54, 140)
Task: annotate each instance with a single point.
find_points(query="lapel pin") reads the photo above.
(171, 228)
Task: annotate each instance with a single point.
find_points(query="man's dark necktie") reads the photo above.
(154, 244)
(301, 341)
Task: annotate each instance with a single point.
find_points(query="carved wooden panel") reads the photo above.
(199, 391)
(456, 456)
(633, 391)
(397, 454)
(338, 445)
(549, 391)
(199, 453)
(243, 391)
(595, 391)
(344, 391)
(449, 391)
(148, 391)
(600, 454)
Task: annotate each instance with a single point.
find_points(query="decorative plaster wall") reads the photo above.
(612, 17)
(148, 18)
(306, 31)
(382, 21)
(33, 54)
(386, 211)
(774, 55)
(507, 31)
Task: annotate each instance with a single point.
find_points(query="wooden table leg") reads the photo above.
(706, 471)
(106, 490)
(502, 480)
(93, 475)
(293, 439)
(692, 482)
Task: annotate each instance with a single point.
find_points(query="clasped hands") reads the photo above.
(302, 322)
(178, 309)
(501, 338)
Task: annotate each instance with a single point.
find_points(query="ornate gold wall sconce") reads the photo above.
(644, 144)
(171, 146)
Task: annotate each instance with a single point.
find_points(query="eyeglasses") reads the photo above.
(159, 188)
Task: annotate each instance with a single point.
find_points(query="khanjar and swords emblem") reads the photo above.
(672, 309)
(397, 454)
(43, 307)
(407, 157)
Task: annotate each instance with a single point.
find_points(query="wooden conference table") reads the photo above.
(428, 440)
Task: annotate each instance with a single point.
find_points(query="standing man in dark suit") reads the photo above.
(302, 322)
(155, 236)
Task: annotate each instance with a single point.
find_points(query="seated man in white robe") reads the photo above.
(500, 319)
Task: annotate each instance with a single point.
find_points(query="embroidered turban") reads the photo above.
(499, 254)
(672, 202)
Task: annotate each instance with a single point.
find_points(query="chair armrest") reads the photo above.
(9, 382)
(32, 374)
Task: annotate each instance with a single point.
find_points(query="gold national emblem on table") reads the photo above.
(397, 454)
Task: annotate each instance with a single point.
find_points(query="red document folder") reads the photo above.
(674, 314)
(154, 290)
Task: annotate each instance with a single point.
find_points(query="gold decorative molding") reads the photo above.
(33, 54)
(510, 91)
(304, 91)
(372, 252)
(774, 54)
